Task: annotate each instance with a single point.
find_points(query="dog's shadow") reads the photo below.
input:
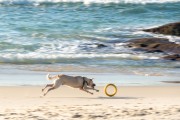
(117, 97)
(100, 97)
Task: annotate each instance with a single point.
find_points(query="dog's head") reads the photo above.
(90, 82)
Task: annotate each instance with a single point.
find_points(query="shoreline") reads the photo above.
(18, 77)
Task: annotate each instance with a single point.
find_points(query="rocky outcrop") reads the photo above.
(173, 57)
(160, 44)
(168, 29)
(155, 45)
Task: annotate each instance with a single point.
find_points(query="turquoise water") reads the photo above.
(63, 33)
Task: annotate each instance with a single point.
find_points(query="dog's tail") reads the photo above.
(49, 78)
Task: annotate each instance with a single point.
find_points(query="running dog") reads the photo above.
(83, 83)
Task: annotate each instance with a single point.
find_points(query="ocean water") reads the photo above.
(63, 35)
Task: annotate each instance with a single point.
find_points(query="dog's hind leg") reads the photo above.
(48, 85)
(52, 88)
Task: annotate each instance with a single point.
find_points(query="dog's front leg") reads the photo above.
(95, 89)
(86, 91)
(92, 89)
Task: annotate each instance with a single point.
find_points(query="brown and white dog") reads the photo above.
(83, 83)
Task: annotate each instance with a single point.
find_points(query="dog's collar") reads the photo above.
(84, 81)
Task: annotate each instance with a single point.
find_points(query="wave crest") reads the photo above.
(64, 58)
(86, 2)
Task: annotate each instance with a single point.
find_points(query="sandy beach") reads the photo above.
(130, 103)
(132, 44)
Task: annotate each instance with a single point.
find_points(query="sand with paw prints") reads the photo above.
(130, 103)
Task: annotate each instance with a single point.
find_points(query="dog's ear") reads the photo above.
(59, 76)
(91, 79)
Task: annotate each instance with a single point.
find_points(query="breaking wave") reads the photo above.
(64, 58)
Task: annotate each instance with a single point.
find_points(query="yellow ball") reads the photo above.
(105, 90)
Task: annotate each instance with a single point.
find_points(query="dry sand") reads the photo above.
(130, 103)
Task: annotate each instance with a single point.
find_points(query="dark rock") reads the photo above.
(95, 116)
(150, 108)
(154, 45)
(173, 57)
(168, 29)
(153, 51)
(171, 81)
(76, 116)
(101, 45)
(139, 114)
